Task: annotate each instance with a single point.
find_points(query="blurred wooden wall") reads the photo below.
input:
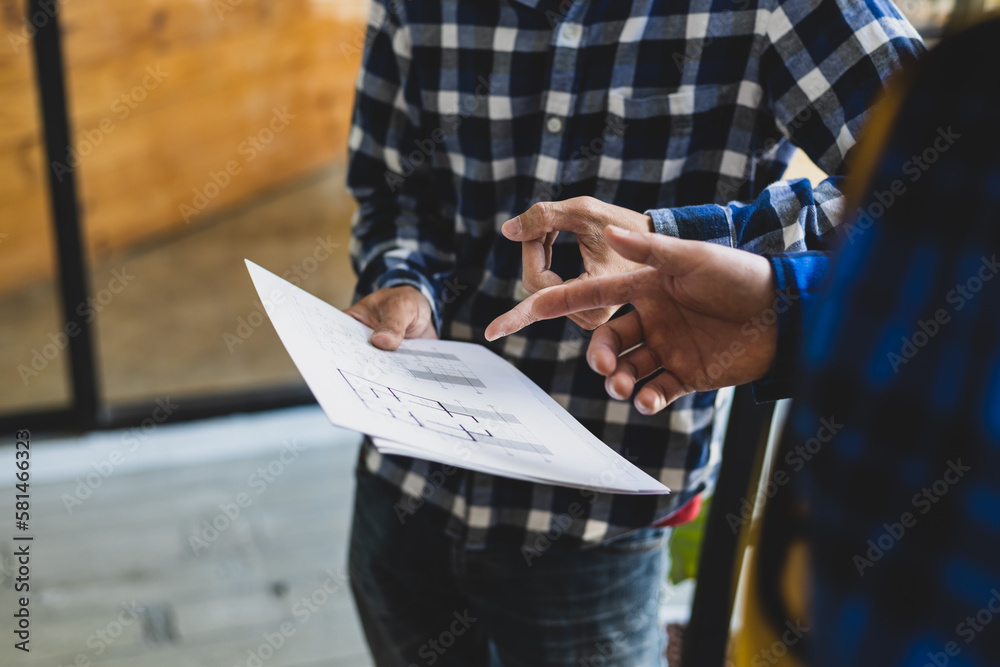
(25, 231)
(162, 94)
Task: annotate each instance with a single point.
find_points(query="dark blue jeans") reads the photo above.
(423, 600)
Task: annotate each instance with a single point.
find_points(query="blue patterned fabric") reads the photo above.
(900, 510)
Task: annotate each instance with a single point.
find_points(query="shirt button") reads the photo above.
(554, 125)
(570, 31)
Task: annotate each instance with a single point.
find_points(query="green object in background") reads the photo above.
(685, 546)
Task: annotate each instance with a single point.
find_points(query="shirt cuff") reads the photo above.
(797, 280)
(710, 223)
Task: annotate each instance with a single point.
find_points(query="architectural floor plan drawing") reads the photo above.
(441, 367)
(487, 427)
(452, 402)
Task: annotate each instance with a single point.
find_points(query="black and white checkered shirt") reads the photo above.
(467, 112)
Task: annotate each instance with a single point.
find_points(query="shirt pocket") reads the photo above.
(678, 106)
(651, 128)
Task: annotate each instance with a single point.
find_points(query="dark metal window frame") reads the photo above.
(85, 411)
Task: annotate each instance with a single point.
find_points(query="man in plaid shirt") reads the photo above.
(655, 115)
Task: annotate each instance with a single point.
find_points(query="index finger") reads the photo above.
(579, 295)
(542, 218)
(513, 320)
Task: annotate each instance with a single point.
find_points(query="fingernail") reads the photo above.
(609, 386)
(512, 227)
(620, 230)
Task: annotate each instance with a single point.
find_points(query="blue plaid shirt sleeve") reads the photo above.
(798, 278)
(899, 509)
(821, 65)
(398, 236)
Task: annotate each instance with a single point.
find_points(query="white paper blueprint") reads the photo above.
(455, 403)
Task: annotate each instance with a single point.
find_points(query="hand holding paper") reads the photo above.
(446, 401)
(394, 313)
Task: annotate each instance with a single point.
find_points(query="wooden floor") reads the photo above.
(128, 545)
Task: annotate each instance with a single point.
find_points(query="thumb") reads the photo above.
(665, 253)
(396, 316)
(389, 333)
